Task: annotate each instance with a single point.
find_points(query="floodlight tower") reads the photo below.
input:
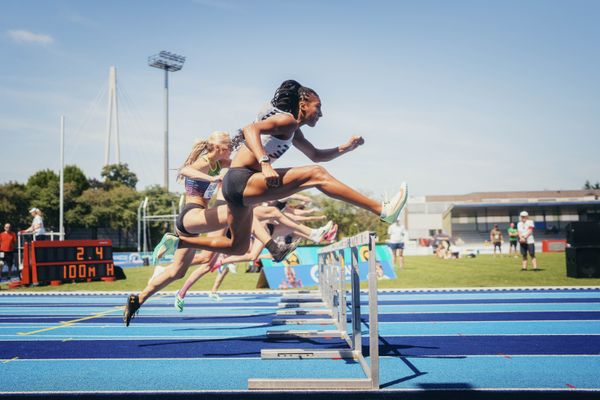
(168, 62)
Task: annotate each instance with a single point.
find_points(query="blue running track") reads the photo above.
(532, 340)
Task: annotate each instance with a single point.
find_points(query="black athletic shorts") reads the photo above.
(179, 221)
(527, 248)
(396, 246)
(513, 243)
(498, 245)
(234, 183)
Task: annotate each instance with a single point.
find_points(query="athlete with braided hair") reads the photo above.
(251, 179)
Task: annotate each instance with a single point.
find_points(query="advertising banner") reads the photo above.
(300, 269)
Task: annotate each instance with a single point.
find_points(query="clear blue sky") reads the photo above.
(451, 96)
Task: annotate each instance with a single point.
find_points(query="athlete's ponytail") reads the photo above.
(203, 146)
(289, 95)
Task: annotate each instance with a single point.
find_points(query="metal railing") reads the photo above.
(330, 302)
(21, 240)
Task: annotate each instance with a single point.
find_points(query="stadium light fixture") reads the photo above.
(169, 62)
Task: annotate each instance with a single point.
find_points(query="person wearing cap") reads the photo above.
(496, 239)
(526, 240)
(37, 225)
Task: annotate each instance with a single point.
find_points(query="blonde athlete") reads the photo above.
(201, 169)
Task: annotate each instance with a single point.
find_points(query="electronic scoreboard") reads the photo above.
(67, 261)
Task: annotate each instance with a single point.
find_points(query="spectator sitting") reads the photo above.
(441, 244)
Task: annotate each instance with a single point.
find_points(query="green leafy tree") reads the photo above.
(14, 205)
(119, 173)
(350, 219)
(114, 208)
(75, 177)
(43, 192)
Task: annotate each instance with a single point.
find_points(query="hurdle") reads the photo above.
(329, 303)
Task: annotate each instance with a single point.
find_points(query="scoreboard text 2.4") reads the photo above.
(66, 261)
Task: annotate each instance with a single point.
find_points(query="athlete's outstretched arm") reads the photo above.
(197, 171)
(302, 218)
(297, 211)
(320, 155)
(299, 197)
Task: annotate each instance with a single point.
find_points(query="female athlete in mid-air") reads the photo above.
(202, 167)
(251, 179)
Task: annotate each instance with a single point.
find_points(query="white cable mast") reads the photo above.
(112, 117)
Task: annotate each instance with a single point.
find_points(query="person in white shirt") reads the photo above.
(398, 236)
(527, 242)
(37, 225)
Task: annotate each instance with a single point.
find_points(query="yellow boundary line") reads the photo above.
(64, 324)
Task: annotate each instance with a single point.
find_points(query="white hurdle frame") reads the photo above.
(330, 301)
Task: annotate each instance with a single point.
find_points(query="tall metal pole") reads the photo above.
(166, 61)
(115, 102)
(61, 228)
(109, 116)
(166, 155)
(145, 224)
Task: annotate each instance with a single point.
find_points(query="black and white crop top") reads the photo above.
(274, 147)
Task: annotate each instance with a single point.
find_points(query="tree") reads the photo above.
(589, 186)
(114, 208)
(43, 192)
(350, 219)
(14, 205)
(75, 176)
(119, 173)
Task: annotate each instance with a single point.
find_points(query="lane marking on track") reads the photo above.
(64, 324)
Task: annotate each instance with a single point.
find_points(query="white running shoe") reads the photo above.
(166, 247)
(318, 234)
(331, 235)
(159, 269)
(232, 268)
(392, 208)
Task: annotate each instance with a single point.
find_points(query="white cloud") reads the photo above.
(23, 36)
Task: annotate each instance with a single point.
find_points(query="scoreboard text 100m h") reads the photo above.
(69, 260)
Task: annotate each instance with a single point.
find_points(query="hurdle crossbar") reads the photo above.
(331, 299)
